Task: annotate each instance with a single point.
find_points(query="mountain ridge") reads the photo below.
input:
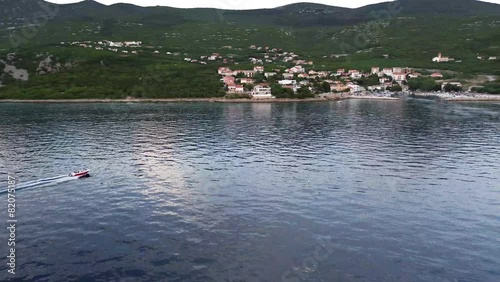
(300, 14)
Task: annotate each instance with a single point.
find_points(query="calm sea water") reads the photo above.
(357, 191)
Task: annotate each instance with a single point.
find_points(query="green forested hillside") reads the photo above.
(411, 37)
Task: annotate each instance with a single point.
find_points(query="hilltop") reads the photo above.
(297, 15)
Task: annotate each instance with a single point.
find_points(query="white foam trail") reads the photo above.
(42, 183)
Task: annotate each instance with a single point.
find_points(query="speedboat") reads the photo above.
(80, 174)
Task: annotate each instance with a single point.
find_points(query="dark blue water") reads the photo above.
(358, 191)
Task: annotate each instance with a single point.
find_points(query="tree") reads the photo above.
(423, 83)
(280, 92)
(396, 88)
(259, 77)
(248, 87)
(452, 88)
(369, 81)
(304, 92)
(325, 87)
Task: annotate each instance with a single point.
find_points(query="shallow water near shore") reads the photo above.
(361, 190)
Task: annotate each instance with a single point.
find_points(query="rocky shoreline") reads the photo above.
(456, 98)
(207, 100)
(459, 97)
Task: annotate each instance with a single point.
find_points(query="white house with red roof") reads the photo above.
(240, 88)
(296, 69)
(229, 80)
(437, 75)
(223, 70)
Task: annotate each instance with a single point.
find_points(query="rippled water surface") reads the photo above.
(357, 191)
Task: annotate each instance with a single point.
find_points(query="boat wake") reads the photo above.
(42, 183)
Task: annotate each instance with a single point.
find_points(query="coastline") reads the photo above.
(482, 98)
(469, 97)
(479, 98)
(372, 98)
(195, 100)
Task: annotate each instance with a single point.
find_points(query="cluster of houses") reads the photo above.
(108, 45)
(441, 59)
(204, 60)
(237, 85)
(491, 58)
(272, 55)
(242, 81)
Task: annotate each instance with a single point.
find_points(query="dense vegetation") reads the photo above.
(112, 76)
(424, 84)
(492, 87)
(462, 29)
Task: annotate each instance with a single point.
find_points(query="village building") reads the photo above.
(231, 88)
(383, 80)
(323, 74)
(247, 73)
(229, 80)
(296, 69)
(397, 70)
(355, 74)
(436, 75)
(399, 76)
(247, 81)
(457, 84)
(387, 71)
(132, 44)
(288, 83)
(240, 89)
(262, 91)
(355, 88)
(258, 69)
(441, 59)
